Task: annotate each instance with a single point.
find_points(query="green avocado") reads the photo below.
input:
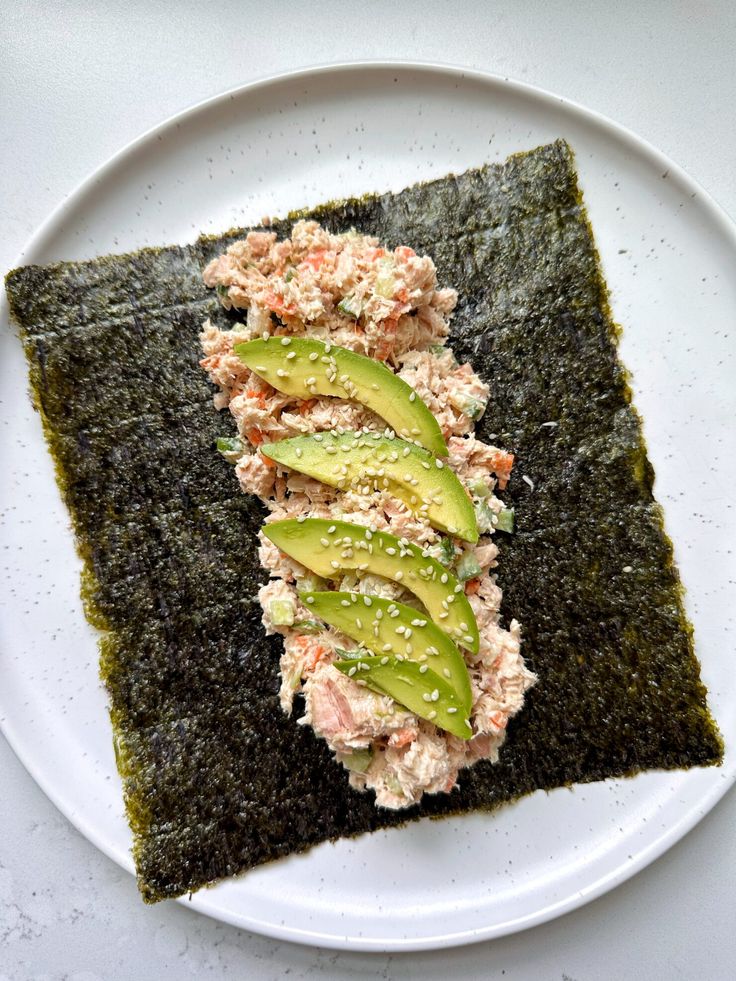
(331, 548)
(423, 693)
(368, 462)
(390, 629)
(305, 368)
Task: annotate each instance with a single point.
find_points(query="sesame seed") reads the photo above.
(310, 599)
(628, 568)
(353, 597)
(261, 367)
(334, 564)
(390, 550)
(325, 542)
(446, 672)
(358, 623)
(432, 714)
(443, 616)
(427, 466)
(384, 660)
(468, 639)
(413, 396)
(301, 518)
(362, 567)
(435, 695)
(528, 480)
(362, 683)
(368, 601)
(423, 668)
(265, 335)
(438, 463)
(416, 432)
(318, 437)
(459, 589)
(400, 630)
(452, 529)
(313, 356)
(398, 577)
(330, 449)
(351, 671)
(281, 373)
(286, 341)
(344, 602)
(409, 649)
(451, 710)
(310, 381)
(298, 451)
(328, 347)
(427, 697)
(408, 632)
(291, 355)
(386, 647)
(406, 451)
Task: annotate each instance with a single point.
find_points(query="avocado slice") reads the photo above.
(331, 548)
(304, 368)
(368, 462)
(387, 628)
(423, 693)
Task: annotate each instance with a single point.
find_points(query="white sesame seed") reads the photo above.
(406, 451)
(368, 601)
(301, 518)
(427, 697)
(265, 335)
(286, 341)
(408, 632)
(628, 568)
(443, 616)
(328, 347)
(318, 437)
(528, 480)
(313, 356)
(409, 649)
(325, 542)
(423, 668)
(451, 710)
(334, 564)
(386, 647)
(438, 463)
(384, 660)
(468, 639)
(399, 576)
(432, 714)
(435, 695)
(261, 367)
(291, 355)
(362, 683)
(281, 373)
(358, 623)
(298, 451)
(310, 599)
(446, 672)
(412, 396)
(351, 671)
(344, 602)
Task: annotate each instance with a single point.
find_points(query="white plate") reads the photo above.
(669, 255)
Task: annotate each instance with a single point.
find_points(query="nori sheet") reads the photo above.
(217, 779)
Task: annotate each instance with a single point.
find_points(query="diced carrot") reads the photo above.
(472, 586)
(402, 295)
(404, 252)
(268, 461)
(276, 303)
(314, 259)
(501, 464)
(254, 436)
(403, 737)
(373, 254)
(306, 405)
(253, 393)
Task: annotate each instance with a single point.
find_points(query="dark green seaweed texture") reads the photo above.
(216, 778)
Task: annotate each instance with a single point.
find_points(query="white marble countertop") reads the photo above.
(80, 80)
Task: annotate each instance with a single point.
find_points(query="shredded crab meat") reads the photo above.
(348, 290)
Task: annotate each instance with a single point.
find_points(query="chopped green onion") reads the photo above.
(485, 517)
(289, 275)
(222, 291)
(231, 448)
(469, 406)
(282, 612)
(350, 305)
(468, 567)
(446, 552)
(358, 761)
(479, 488)
(441, 349)
(385, 280)
(308, 626)
(352, 655)
(505, 520)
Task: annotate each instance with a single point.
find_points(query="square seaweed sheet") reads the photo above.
(216, 778)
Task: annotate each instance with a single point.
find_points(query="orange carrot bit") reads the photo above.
(267, 459)
(276, 303)
(501, 464)
(314, 260)
(472, 586)
(306, 405)
(402, 295)
(404, 252)
(317, 653)
(254, 436)
(373, 254)
(403, 737)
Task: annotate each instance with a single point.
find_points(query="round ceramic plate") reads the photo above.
(669, 256)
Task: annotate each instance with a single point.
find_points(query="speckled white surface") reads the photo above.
(59, 921)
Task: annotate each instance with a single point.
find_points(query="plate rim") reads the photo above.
(51, 225)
